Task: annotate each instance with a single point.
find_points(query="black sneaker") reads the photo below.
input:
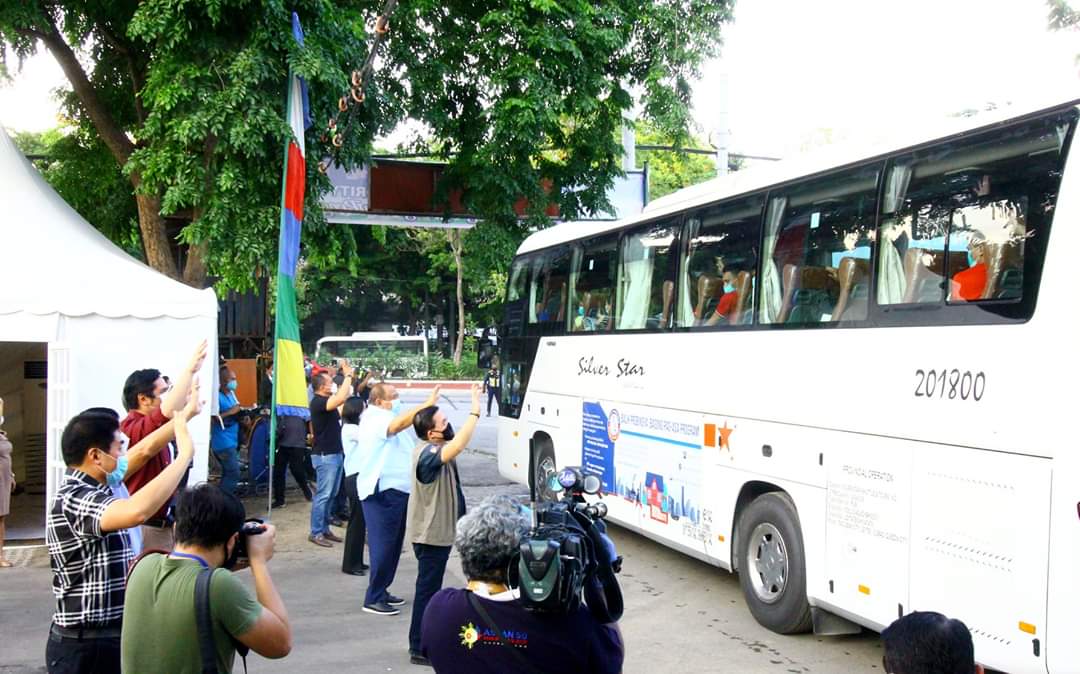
(277, 505)
(417, 659)
(382, 608)
(394, 601)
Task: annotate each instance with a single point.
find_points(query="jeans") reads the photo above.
(293, 459)
(384, 512)
(340, 505)
(230, 468)
(64, 655)
(429, 577)
(327, 476)
(352, 560)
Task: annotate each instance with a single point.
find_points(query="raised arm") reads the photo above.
(271, 635)
(148, 447)
(131, 512)
(451, 449)
(404, 420)
(175, 399)
(343, 391)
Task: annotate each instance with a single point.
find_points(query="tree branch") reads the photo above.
(138, 80)
(111, 133)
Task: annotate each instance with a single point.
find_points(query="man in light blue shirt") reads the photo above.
(383, 480)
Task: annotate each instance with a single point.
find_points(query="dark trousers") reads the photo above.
(429, 578)
(64, 655)
(339, 506)
(384, 512)
(293, 458)
(352, 561)
(493, 394)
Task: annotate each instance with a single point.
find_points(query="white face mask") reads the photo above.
(333, 389)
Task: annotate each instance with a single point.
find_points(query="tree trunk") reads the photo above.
(155, 238)
(454, 235)
(195, 272)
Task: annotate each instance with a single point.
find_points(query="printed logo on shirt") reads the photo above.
(471, 635)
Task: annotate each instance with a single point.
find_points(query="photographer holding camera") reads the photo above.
(165, 606)
(486, 628)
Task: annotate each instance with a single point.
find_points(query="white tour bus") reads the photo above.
(845, 377)
(400, 355)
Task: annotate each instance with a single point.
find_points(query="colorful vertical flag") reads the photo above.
(290, 389)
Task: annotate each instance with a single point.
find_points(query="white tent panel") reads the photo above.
(102, 313)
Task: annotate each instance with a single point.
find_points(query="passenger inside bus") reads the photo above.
(970, 283)
(726, 306)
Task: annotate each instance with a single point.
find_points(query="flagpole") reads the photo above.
(277, 310)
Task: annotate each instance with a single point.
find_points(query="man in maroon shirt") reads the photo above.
(151, 403)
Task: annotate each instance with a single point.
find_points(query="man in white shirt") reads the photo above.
(383, 482)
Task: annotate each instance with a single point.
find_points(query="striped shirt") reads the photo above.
(89, 566)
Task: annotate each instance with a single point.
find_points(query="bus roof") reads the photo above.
(825, 159)
(372, 337)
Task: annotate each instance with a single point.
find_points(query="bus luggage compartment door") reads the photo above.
(979, 531)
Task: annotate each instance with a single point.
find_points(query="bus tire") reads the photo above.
(772, 564)
(543, 467)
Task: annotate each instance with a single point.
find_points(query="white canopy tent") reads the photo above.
(101, 313)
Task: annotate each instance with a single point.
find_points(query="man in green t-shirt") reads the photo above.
(160, 633)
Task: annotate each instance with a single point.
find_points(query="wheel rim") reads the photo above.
(769, 562)
(544, 470)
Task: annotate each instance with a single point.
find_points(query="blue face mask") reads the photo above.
(729, 288)
(971, 259)
(117, 476)
(231, 385)
(395, 405)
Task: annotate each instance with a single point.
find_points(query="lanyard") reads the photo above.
(197, 558)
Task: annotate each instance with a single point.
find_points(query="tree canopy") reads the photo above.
(520, 97)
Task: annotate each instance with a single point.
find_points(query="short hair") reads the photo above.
(380, 391)
(488, 537)
(86, 431)
(424, 421)
(107, 411)
(925, 642)
(351, 410)
(207, 515)
(139, 382)
(318, 380)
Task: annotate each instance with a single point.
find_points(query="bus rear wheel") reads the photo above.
(772, 564)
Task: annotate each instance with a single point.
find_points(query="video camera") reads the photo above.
(566, 557)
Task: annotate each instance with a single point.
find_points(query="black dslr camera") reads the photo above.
(251, 527)
(558, 565)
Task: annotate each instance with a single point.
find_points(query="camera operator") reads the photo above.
(485, 628)
(436, 502)
(160, 632)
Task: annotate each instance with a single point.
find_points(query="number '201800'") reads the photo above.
(951, 384)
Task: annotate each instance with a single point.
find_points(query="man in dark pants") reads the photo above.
(436, 502)
(291, 445)
(493, 386)
(89, 549)
(326, 453)
(383, 482)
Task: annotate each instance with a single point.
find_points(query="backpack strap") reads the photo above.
(526, 666)
(205, 623)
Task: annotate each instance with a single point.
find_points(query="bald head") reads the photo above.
(320, 382)
(382, 392)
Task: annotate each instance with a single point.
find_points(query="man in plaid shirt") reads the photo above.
(89, 551)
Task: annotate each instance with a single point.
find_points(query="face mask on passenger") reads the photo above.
(729, 288)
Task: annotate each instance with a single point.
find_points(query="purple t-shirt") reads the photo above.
(456, 638)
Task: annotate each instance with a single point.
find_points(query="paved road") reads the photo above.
(681, 614)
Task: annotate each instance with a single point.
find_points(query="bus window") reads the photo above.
(816, 257)
(646, 287)
(548, 290)
(960, 219)
(718, 280)
(519, 280)
(593, 281)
